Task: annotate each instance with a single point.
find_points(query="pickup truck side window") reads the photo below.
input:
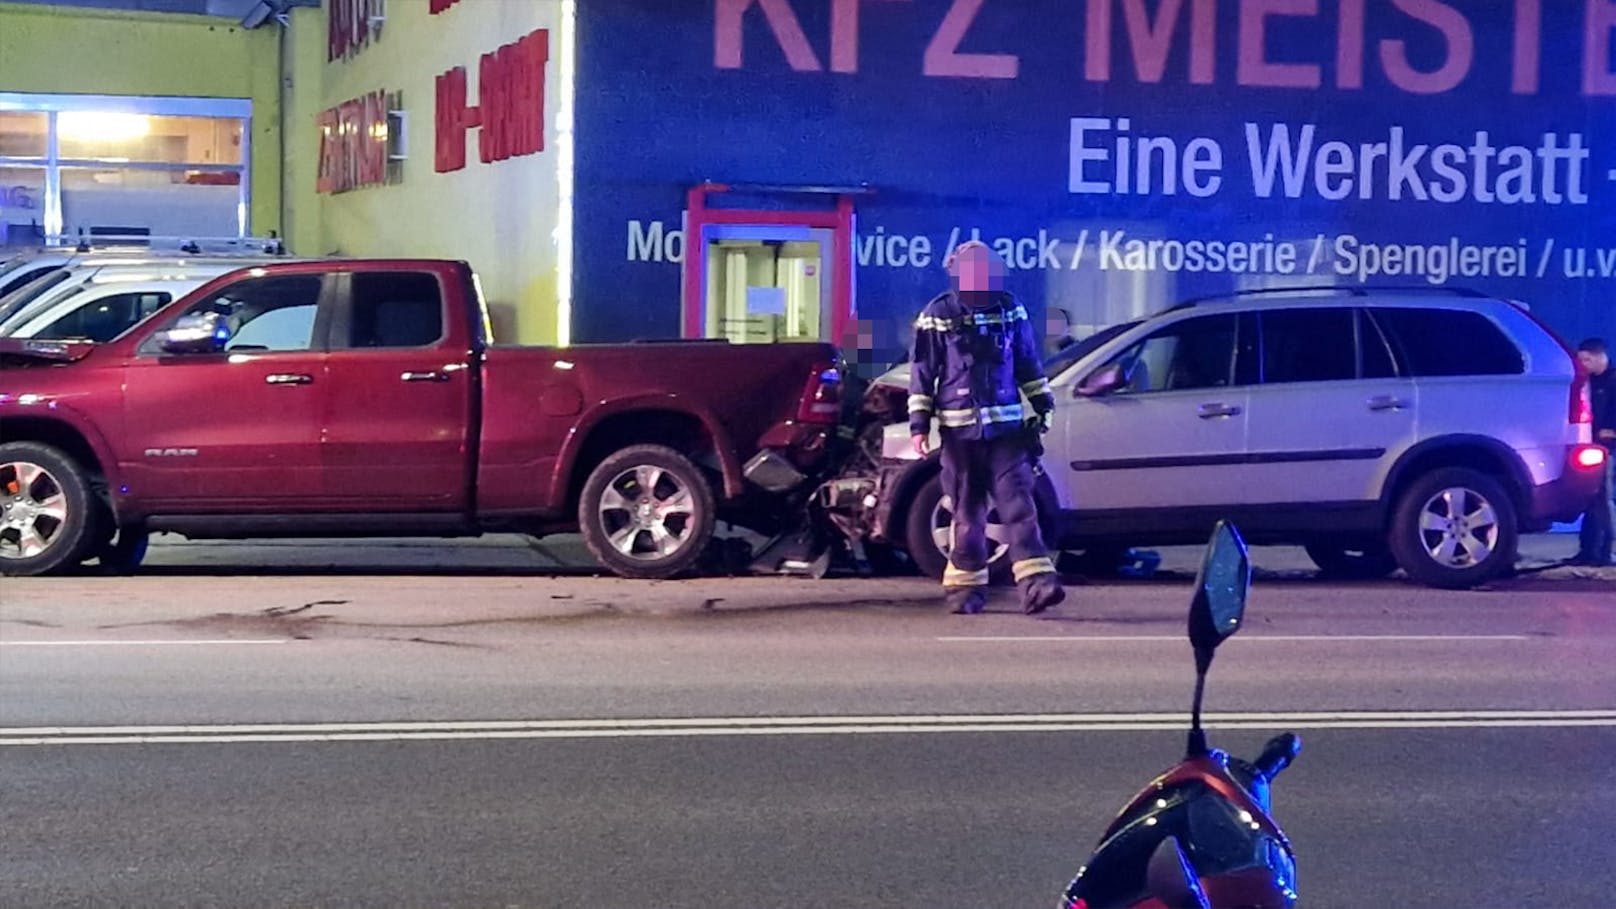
(274, 313)
(394, 310)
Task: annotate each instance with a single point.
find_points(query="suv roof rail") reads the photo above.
(1354, 290)
(188, 244)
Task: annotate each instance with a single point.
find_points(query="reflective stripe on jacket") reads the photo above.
(971, 366)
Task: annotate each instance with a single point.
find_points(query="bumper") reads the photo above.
(1565, 499)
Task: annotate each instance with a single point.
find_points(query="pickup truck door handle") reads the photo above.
(1387, 402)
(429, 376)
(1214, 411)
(288, 378)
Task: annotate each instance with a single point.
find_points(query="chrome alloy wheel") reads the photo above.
(648, 514)
(33, 510)
(942, 530)
(1459, 528)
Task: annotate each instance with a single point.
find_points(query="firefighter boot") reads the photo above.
(1041, 591)
(966, 600)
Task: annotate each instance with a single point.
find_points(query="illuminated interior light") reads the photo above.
(564, 364)
(98, 126)
(564, 170)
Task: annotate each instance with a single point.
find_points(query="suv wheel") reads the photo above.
(46, 509)
(1455, 528)
(647, 512)
(929, 532)
(1354, 560)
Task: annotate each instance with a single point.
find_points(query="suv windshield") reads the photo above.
(1075, 351)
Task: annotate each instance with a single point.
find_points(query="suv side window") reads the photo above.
(105, 319)
(1449, 342)
(1375, 359)
(393, 310)
(1194, 353)
(1308, 345)
(274, 313)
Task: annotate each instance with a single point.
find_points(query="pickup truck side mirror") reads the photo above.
(199, 333)
(1103, 382)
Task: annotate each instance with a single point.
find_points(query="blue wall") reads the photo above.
(661, 107)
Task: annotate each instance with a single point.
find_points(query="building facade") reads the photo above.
(1121, 154)
(775, 169)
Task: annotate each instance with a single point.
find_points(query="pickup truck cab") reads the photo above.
(365, 398)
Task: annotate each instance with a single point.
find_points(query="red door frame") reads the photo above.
(699, 216)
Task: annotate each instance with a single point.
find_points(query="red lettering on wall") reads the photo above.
(510, 111)
(1528, 46)
(353, 144)
(1253, 67)
(1152, 40)
(783, 23)
(437, 6)
(844, 34)
(1455, 29)
(1349, 45)
(348, 26)
(944, 59)
(1597, 79)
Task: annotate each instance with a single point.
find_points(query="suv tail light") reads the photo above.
(1582, 408)
(1588, 457)
(822, 396)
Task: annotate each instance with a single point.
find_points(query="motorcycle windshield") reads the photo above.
(1217, 837)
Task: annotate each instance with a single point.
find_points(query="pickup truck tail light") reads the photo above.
(822, 396)
(1588, 457)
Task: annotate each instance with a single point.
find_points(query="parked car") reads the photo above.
(18, 267)
(366, 398)
(1378, 428)
(99, 302)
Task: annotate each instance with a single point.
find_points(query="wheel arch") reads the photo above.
(1480, 453)
(650, 421)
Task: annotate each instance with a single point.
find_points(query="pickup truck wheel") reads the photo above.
(46, 509)
(647, 512)
(1455, 528)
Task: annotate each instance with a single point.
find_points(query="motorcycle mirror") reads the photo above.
(1216, 610)
(1220, 592)
(1170, 879)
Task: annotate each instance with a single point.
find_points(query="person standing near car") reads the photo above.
(1600, 518)
(974, 356)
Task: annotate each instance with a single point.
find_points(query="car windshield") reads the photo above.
(14, 302)
(1073, 352)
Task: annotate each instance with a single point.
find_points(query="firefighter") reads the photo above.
(974, 357)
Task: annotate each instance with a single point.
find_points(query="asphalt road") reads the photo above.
(495, 735)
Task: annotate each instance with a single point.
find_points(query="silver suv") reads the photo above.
(1381, 429)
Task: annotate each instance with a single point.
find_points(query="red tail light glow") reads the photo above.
(1589, 457)
(822, 396)
(1582, 408)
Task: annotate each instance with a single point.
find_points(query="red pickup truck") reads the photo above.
(364, 398)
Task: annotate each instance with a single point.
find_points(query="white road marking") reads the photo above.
(1178, 638)
(219, 643)
(685, 727)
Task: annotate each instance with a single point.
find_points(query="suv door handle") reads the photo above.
(1213, 411)
(288, 378)
(430, 376)
(1387, 402)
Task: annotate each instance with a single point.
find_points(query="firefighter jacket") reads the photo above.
(971, 366)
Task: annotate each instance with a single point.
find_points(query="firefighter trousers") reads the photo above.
(973, 470)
